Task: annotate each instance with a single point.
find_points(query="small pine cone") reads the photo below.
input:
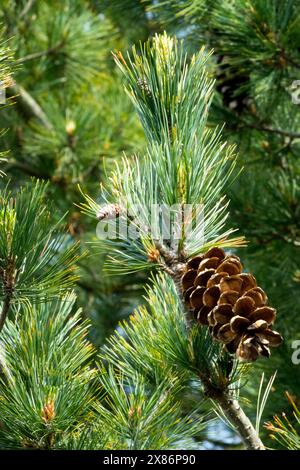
(144, 86)
(230, 303)
(108, 211)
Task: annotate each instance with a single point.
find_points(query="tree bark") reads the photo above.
(5, 310)
(235, 415)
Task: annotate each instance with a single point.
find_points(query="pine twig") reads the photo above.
(27, 8)
(5, 310)
(263, 128)
(290, 60)
(236, 415)
(28, 105)
(8, 279)
(28, 170)
(40, 54)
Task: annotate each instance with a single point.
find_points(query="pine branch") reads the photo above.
(174, 112)
(290, 60)
(264, 128)
(27, 8)
(158, 344)
(29, 105)
(239, 419)
(39, 55)
(60, 31)
(32, 263)
(186, 163)
(46, 351)
(285, 429)
(5, 310)
(143, 420)
(7, 277)
(235, 415)
(27, 169)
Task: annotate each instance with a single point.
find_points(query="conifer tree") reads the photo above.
(256, 66)
(186, 163)
(70, 120)
(166, 373)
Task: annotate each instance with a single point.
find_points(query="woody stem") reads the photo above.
(5, 309)
(233, 412)
(236, 415)
(7, 278)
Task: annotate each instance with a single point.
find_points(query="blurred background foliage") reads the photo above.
(72, 120)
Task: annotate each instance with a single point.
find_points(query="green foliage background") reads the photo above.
(72, 120)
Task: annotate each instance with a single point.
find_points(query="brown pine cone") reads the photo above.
(230, 303)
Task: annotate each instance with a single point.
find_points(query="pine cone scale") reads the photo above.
(231, 304)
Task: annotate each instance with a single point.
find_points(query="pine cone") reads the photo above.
(230, 303)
